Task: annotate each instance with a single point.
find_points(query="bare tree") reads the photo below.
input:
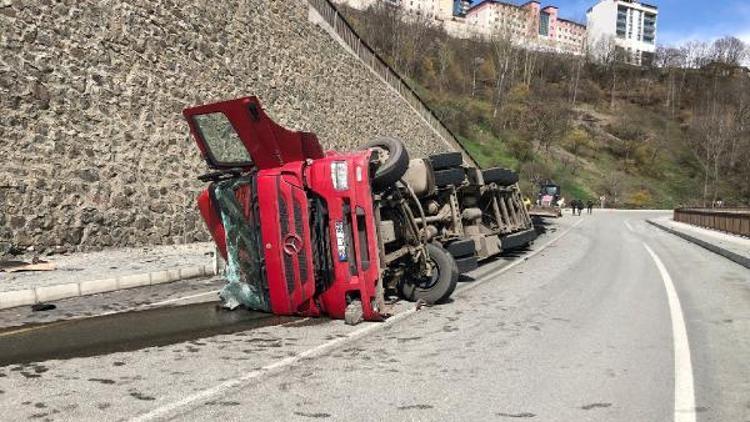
(697, 54)
(548, 123)
(729, 50)
(607, 54)
(503, 54)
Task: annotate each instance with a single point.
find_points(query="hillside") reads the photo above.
(644, 137)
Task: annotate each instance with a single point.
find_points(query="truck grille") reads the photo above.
(284, 223)
(298, 227)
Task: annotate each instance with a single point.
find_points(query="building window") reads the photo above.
(544, 24)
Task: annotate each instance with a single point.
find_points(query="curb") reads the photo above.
(732, 256)
(14, 298)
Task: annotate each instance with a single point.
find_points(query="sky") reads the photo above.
(679, 21)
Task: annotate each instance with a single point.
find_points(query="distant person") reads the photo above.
(527, 203)
(602, 200)
(561, 202)
(573, 206)
(590, 206)
(577, 206)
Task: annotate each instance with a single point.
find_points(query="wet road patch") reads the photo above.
(595, 406)
(146, 328)
(313, 415)
(416, 406)
(140, 396)
(517, 415)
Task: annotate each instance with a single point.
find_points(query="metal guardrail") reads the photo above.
(344, 30)
(730, 220)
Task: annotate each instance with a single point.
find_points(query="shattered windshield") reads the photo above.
(246, 285)
(224, 145)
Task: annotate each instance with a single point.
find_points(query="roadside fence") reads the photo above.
(730, 220)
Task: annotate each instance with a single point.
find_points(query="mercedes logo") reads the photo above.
(292, 244)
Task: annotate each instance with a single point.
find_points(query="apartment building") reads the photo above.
(629, 24)
(528, 24)
(436, 9)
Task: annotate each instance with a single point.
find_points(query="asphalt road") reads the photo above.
(584, 329)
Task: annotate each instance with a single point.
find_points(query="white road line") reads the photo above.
(684, 392)
(628, 226)
(174, 407)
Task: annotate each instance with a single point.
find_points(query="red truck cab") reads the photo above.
(295, 224)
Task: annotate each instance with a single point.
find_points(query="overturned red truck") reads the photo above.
(309, 232)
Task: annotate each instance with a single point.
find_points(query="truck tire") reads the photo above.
(467, 263)
(439, 287)
(461, 248)
(452, 176)
(501, 176)
(394, 166)
(446, 160)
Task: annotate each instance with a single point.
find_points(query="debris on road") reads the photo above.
(36, 264)
(41, 307)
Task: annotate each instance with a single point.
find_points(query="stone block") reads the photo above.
(159, 277)
(57, 292)
(98, 286)
(15, 298)
(135, 280)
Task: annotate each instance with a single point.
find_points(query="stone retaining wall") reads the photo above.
(95, 151)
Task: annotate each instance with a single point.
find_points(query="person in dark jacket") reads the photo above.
(577, 206)
(590, 206)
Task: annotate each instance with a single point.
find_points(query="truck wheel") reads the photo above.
(395, 164)
(453, 176)
(501, 176)
(467, 263)
(446, 160)
(461, 248)
(440, 285)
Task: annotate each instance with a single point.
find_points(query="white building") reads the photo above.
(630, 24)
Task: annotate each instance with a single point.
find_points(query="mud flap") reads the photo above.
(245, 282)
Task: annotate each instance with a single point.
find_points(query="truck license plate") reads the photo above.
(341, 240)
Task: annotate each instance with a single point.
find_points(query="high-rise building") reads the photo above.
(628, 25)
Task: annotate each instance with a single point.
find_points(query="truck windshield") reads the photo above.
(246, 281)
(225, 148)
